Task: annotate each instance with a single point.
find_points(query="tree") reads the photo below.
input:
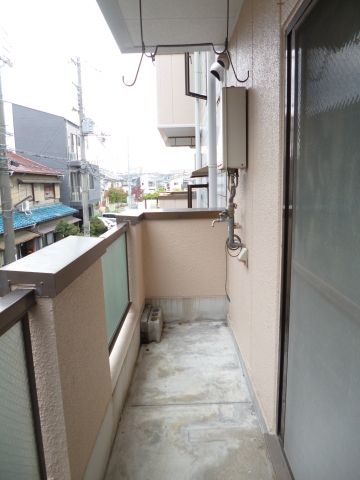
(150, 196)
(115, 195)
(97, 227)
(137, 192)
(66, 228)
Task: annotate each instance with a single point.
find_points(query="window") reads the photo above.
(176, 183)
(49, 190)
(48, 239)
(75, 143)
(151, 184)
(91, 182)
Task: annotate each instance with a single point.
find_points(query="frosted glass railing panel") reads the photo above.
(18, 451)
(116, 289)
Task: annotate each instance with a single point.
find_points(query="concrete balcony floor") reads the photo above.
(188, 414)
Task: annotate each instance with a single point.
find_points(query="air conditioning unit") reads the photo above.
(24, 206)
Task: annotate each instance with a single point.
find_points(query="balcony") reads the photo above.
(76, 196)
(183, 404)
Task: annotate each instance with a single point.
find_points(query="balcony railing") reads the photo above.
(21, 449)
(115, 273)
(76, 194)
(90, 295)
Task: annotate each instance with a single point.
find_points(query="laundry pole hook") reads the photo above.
(137, 73)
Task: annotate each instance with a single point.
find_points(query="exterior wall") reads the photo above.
(81, 378)
(19, 191)
(173, 202)
(257, 45)
(41, 132)
(183, 258)
(135, 259)
(94, 194)
(174, 107)
(85, 378)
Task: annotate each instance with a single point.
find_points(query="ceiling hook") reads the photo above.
(137, 73)
(232, 66)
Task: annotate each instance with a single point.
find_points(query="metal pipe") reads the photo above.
(211, 114)
(197, 125)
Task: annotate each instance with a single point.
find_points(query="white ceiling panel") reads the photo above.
(169, 22)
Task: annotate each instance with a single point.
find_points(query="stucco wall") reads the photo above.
(136, 269)
(174, 107)
(183, 258)
(80, 327)
(257, 45)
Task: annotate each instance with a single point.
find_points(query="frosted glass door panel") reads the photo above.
(322, 422)
(115, 277)
(18, 451)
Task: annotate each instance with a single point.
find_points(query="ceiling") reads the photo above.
(169, 22)
(178, 135)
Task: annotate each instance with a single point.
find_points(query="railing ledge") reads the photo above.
(134, 217)
(14, 306)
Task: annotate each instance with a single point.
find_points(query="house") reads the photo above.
(35, 195)
(54, 142)
(148, 182)
(287, 288)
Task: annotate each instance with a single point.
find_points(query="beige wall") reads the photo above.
(173, 203)
(183, 258)
(79, 361)
(257, 45)
(136, 270)
(174, 107)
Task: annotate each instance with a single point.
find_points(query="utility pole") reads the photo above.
(84, 164)
(129, 187)
(5, 192)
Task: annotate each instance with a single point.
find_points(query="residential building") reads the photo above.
(288, 295)
(35, 195)
(148, 182)
(54, 142)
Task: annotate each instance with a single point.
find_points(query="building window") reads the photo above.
(91, 182)
(176, 183)
(151, 184)
(49, 190)
(48, 239)
(75, 143)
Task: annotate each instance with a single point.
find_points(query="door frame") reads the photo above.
(287, 212)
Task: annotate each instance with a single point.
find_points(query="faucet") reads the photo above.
(228, 213)
(223, 217)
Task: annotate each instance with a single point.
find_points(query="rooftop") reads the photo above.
(38, 215)
(29, 166)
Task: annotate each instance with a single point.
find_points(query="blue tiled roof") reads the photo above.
(38, 215)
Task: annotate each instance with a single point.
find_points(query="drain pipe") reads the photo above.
(228, 214)
(211, 114)
(197, 125)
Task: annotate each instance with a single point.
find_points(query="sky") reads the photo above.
(43, 35)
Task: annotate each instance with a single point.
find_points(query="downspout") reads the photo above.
(197, 125)
(211, 113)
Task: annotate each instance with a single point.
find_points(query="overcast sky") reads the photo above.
(43, 35)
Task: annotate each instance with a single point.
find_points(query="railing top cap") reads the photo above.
(135, 217)
(53, 268)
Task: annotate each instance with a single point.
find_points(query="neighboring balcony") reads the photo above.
(84, 330)
(76, 196)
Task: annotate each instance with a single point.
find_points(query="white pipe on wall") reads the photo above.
(211, 118)
(197, 125)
